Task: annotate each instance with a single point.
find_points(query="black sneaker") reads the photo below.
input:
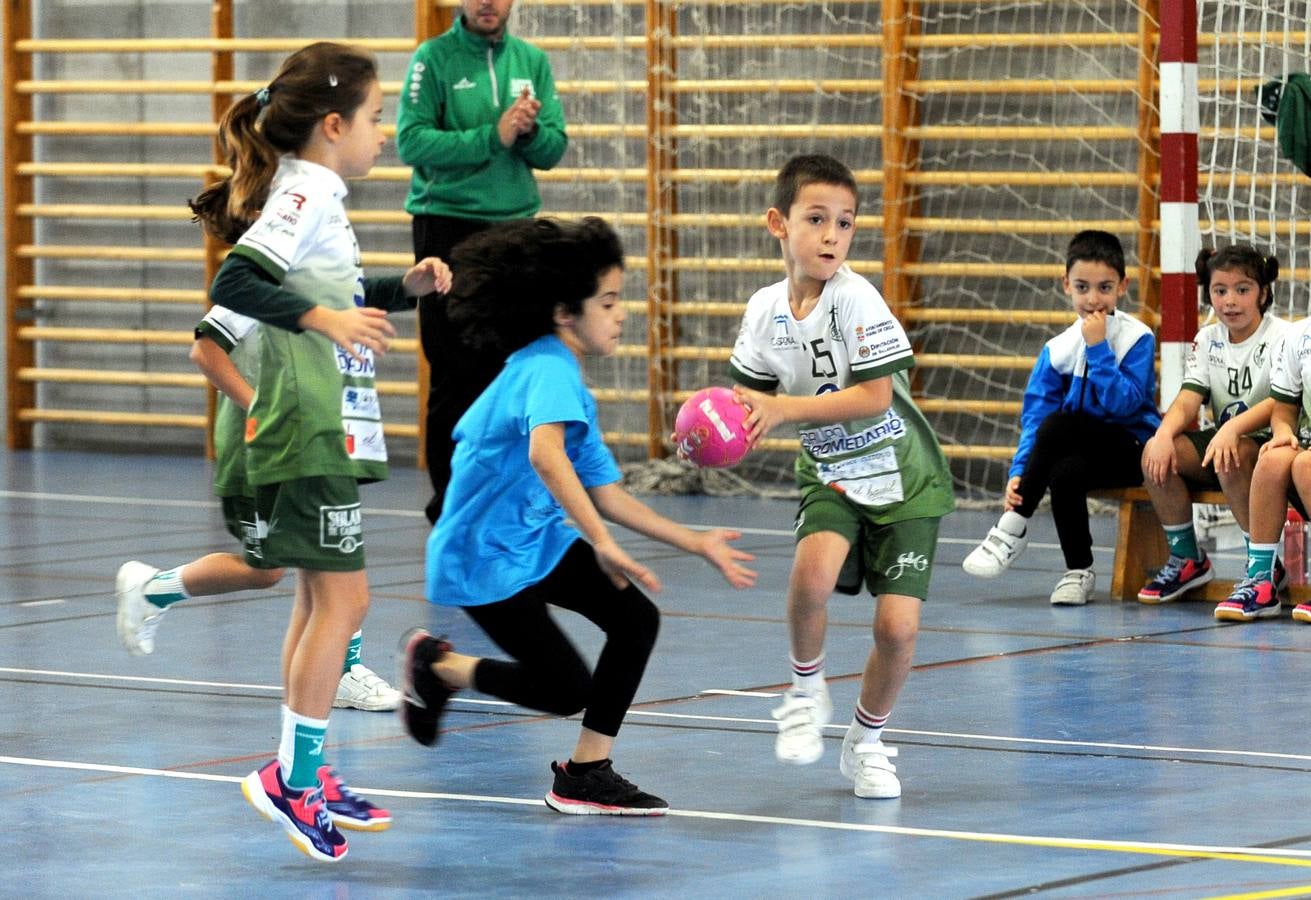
(600, 792)
(423, 695)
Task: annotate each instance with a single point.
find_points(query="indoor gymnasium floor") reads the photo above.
(1115, 750)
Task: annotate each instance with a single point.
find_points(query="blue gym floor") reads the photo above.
(1115, 750)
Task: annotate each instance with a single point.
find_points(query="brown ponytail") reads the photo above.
(313, 82)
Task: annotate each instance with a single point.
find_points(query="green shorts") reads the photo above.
(1201, 440)
(897, 557)
(308, 523)
(239, 516)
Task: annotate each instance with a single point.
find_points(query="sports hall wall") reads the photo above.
(983, 134)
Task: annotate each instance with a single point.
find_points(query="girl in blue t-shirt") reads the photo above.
(528, 454)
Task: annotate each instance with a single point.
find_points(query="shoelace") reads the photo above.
(1170, 571)
(315, 805)
(149, 625)
(1245, 591)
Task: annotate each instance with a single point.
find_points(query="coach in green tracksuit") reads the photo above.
(478, 112)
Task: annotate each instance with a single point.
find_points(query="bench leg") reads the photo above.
(1140, 549)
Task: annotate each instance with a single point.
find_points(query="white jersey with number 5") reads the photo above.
(891, 464)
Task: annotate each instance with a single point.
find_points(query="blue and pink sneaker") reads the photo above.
(348, 809)
(1253, 598)
(1174, 579)
(302, 814)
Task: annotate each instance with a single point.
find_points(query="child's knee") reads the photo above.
(896, 633)
(811, 588)
(572, 692)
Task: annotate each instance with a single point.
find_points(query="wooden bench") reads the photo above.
(1140, 548)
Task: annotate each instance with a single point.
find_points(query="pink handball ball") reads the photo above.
(710, 430)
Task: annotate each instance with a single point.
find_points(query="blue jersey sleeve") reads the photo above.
(1122, 390)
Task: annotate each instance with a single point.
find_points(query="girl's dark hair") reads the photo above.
(1095, 246)
(812, 168)
(509, 278)
(313, 82)
(1262, 269)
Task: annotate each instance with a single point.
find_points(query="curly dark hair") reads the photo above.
(510, 278)
(1262, 269)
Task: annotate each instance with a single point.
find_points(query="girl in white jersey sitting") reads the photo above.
(314, 429)
(1229, 369)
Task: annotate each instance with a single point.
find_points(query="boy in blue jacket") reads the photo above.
(1088, 408)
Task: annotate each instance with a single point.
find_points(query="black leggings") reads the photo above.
(546, 672)
(1073, 454)
(456, 374)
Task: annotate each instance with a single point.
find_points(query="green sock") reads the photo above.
(1261, 560)
(353, 650)
(165, 588)
(1183, 541)
(301, 750)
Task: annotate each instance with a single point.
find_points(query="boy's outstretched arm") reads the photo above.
(863, 400)
(547, 456)
(622, 508)
(218, 368)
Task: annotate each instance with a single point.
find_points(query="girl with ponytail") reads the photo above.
(313, 429)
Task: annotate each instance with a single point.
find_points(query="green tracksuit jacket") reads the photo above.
(457, 87)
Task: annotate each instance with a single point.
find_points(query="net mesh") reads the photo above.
(1024, 123)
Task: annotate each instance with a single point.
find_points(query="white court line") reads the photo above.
(1238, 854)
(141, 679)
(730, 720)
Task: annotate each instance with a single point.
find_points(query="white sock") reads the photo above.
(865, 728)
(1013, 523)
(808, 677)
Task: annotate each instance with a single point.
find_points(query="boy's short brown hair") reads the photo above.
(1095, 246)
(810, 168)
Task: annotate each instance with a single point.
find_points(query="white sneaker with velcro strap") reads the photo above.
(362, 688)
(869, 765)
(995, 555)
(801, 720)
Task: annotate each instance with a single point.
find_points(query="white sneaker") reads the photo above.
(1075, 588)
(995, 555)
(362, 688)
(867, 765)
(137, 617)
(801, 720)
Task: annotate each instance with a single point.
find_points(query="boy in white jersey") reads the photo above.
(1229, 369)
(227, 352)
(873, 480)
